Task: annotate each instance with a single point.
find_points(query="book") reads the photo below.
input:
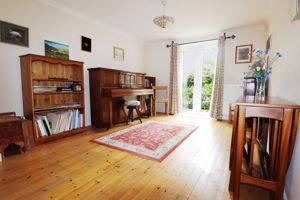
(56, 122)
(62, 122)
(56, 130)
(48, 127)
(53, 120)
(81, 120)
(42, 129)
(76, 119)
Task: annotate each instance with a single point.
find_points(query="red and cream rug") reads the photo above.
(152, 139)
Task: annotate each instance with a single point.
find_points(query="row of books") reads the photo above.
(39, 89)
(54, 123)
(67, 87)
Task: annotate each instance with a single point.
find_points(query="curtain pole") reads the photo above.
(226, 37)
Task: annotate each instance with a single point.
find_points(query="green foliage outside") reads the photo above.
(188, 87)
(207, 83)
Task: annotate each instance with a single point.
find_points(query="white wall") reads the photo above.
(233, 73)
(158, 60)
(285, 80)
(64, 26)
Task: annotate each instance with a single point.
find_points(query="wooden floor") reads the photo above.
(75, 168)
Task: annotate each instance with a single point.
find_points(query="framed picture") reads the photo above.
(56, 50)
(295, 9)
(118, 53)
(268, 44)
(13, 34)
(86, 44)
(243, 54)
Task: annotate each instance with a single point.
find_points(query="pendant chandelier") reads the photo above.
(163, 21)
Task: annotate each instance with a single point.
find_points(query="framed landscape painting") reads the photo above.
(243, 54)
(13, 34)
(56, 50)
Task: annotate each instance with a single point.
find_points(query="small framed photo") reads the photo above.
(13, 34)
(86, 44)
(243, 54)
(119, 54)
(56, 50)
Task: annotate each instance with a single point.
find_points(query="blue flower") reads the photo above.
(279, 55)
(259, 51)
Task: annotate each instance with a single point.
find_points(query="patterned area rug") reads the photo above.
(152, 139)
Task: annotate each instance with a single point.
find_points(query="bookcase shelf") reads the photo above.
(42, 80)
(46, 110)
(53, 93)
(59, 80)
(45, 139)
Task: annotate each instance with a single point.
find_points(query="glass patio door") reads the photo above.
(197, 71)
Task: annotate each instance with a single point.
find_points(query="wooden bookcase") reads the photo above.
(40, 71)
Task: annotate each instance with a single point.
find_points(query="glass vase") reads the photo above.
(261, 87)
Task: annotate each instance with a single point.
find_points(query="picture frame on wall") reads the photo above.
(295, 9)
(56, 50)
(14, 34)
(243, 54)
(86, 44)
(119, 54)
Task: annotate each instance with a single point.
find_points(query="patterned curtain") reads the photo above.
(216, 106)
(174, 94)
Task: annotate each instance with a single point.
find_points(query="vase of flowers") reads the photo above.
(260, 90)
(261, 68)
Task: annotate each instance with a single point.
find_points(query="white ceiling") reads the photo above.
(193, 18)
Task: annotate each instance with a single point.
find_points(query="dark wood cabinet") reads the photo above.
(250, 86)
(150, 81)
(15, 130)
(108, 87)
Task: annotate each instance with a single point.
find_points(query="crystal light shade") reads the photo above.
(163, 21)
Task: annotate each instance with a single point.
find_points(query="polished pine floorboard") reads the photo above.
(75, 168)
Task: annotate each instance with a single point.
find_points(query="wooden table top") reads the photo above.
(266, 102)
(5, 119)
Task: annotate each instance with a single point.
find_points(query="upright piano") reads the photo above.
(108, 87)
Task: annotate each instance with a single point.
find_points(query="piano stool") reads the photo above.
(131, 105)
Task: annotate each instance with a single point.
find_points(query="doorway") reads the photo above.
(197, 68)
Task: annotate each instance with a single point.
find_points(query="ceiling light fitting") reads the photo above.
(163, 21)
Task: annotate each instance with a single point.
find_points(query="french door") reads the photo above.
(197, 69)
